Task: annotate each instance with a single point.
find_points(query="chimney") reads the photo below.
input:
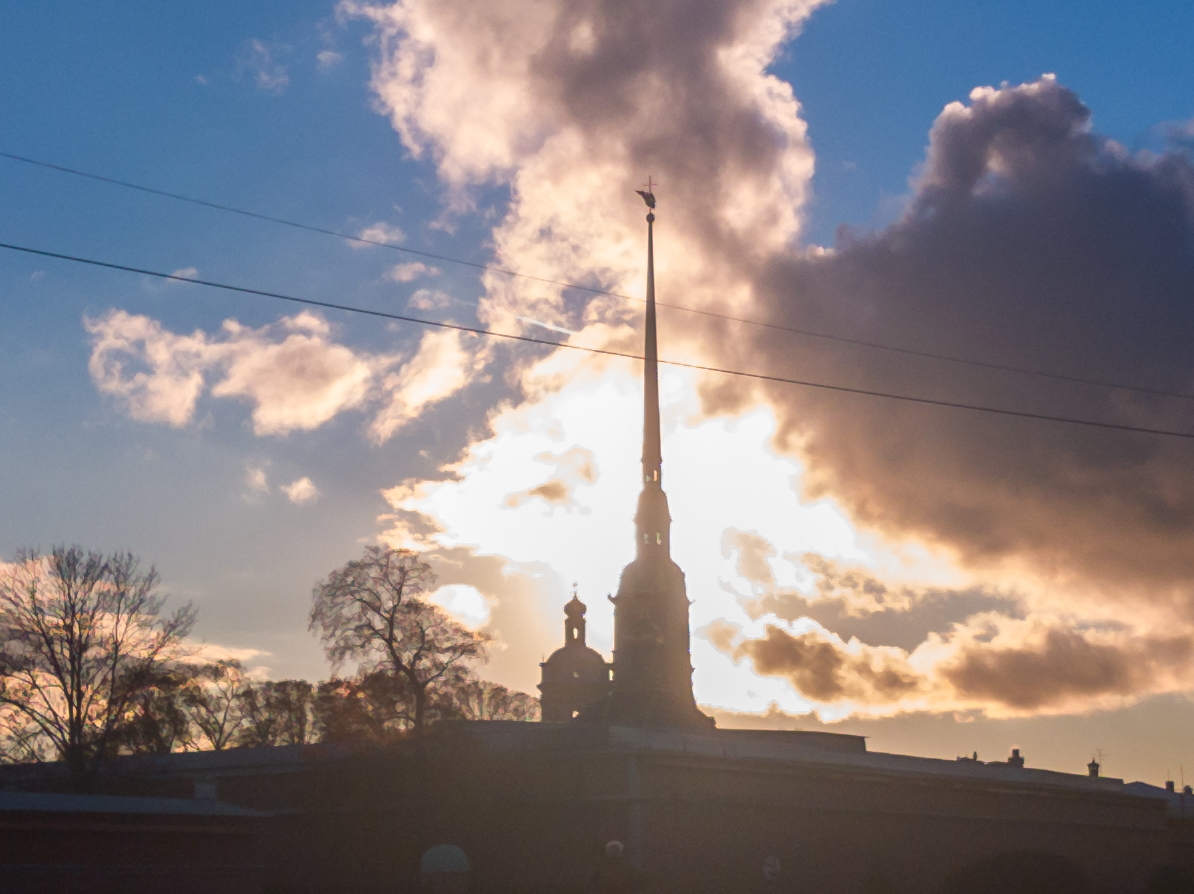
(1092, 769)
(1169, 786)
(1187, 790)
(1015, 760)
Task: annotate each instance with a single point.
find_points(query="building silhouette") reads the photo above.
(652, 666)
(575, 676)
(505, 807)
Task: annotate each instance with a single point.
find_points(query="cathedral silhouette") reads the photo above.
(652, 666)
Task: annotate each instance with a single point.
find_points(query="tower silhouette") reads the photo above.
(574, 676)
(652, 683)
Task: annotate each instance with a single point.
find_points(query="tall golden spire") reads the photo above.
(652, 453)
(652, 682)
(653, 522)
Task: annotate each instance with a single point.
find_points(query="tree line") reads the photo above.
(92, 665)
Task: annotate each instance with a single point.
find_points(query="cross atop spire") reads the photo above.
(648, 195)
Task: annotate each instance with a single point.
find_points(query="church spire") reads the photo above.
(652, 522)
(652, 453)
(652, 683)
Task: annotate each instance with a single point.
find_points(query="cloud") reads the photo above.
(439, 369)
(300, 491)
(409, 272)
(292, 373)
(156, 375)
(754, 555)
(1033, 241)
(429, 299)
(854, 603)
(1027, 240)
(820, 666)
(186, 272)
(296, 384)
(256, 480)
(576, 466)
(259, 61)
(563, 102)
(463, 602)
(381, 232)
(327, 59)
(1065, 665)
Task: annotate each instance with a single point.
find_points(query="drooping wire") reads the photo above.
(488, 333)
(593, 290)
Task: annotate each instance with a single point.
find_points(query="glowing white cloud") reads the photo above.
(439, 369)
(382, 232)
(156, 375)
(297, 384)
(300, 491)
(464, 603)
(256, 480)
(292, 373)
(410, 272)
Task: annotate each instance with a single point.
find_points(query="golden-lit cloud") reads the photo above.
(968, 557)
(301, 490)
(156, 375)
(441, 367)
(293, 373)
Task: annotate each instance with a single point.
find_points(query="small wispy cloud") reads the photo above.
(381, 232)
(429, 299)
(36, 275)
(259, 60)
(550, 326)
(202, 79)
(326, 59)
(256, 481)
(411, 271)
(186, 272)
(301, 491)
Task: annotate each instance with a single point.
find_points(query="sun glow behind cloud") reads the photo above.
(583, 529)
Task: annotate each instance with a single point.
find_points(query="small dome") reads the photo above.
(575, 608)
(575, 663)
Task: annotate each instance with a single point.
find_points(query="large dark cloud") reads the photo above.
(818, 667)
(852, 602)
(1064, 667)
(1029, 240)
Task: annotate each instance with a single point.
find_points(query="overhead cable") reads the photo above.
(492, 268)
(489, 333)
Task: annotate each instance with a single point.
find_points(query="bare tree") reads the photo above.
(81, 636)
(212, 699)
(374, 612)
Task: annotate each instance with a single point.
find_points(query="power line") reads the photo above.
(312, 302)
(593, 290)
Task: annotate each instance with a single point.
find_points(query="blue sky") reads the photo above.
(269, 107)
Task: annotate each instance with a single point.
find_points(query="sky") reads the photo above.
(1007, 185)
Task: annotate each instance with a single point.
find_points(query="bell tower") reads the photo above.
(652, 683)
